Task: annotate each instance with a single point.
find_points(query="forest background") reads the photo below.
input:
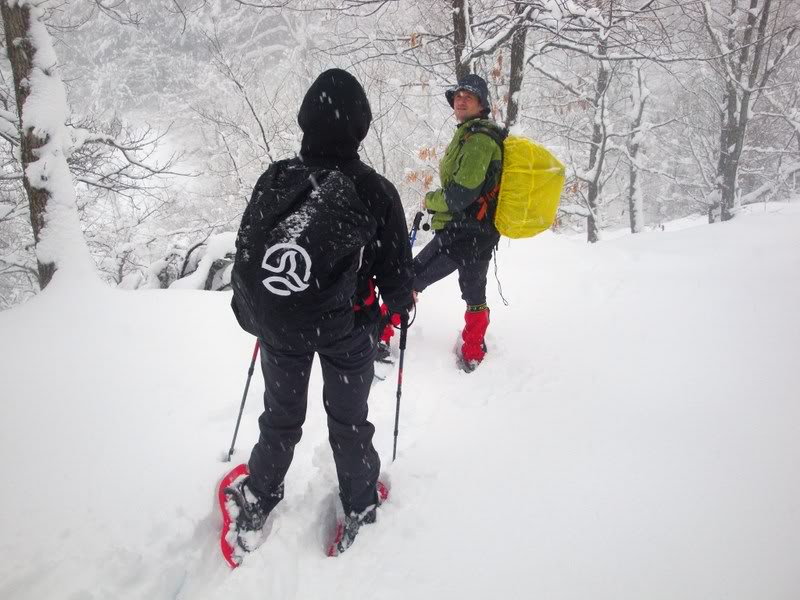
(133, 132)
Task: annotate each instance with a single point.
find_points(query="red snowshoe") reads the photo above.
(243, 517)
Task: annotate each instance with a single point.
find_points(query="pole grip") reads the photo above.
(417, 219)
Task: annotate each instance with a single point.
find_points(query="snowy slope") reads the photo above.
(634, 433)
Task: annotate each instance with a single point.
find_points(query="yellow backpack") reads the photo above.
(530, 186)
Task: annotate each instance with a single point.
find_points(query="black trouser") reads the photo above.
(347, 372)
(468, 253)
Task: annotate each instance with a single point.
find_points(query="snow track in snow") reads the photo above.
(632, 434)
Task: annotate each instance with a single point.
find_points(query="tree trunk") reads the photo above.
(592, 225)
(727, 166)
(42, 111)
(16, 22)
(741, 81)
(597, 153)
(460, 19)
(635, 207)
(635, 201)
(517, 72)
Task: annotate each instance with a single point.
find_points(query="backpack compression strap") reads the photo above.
(484, 202)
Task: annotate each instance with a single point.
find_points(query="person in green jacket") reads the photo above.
(463, 211)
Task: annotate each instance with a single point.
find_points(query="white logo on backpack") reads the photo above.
(286, 261)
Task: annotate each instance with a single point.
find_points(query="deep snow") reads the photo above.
(633, 433)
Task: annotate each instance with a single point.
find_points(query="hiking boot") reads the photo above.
(352, 523)
(384, 352)
(249, 513)
(347, 530)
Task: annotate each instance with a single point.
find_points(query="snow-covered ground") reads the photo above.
(633, 434)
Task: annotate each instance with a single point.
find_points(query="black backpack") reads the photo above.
(298, 252)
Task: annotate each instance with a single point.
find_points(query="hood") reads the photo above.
(335, 116)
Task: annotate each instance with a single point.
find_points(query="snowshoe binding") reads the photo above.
(383, 362)
(347, 526)
(384, 353)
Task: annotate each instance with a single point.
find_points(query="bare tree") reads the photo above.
(751, 40)
(639, 96)
(598, 147)
(517, 73)
(41, 109)
(117, 176)
(461, 29)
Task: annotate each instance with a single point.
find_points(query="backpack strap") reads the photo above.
(499, 137)
(357, 172)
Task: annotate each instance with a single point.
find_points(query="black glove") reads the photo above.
(405, 312)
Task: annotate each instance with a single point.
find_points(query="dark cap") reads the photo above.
(474, 84)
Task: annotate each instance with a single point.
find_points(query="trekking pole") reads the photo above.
(244, 398)
(403, 335)
(415, 227)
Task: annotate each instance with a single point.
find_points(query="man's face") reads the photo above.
(466, 106)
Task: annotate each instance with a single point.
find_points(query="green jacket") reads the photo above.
(470, 169)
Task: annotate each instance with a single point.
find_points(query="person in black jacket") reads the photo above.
(335, 117)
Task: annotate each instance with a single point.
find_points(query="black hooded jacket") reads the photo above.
(335, 117)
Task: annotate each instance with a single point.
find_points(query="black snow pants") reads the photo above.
(347, 372)
(468, 252)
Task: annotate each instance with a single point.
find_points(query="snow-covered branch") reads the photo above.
(500, 38)
(770, 186)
